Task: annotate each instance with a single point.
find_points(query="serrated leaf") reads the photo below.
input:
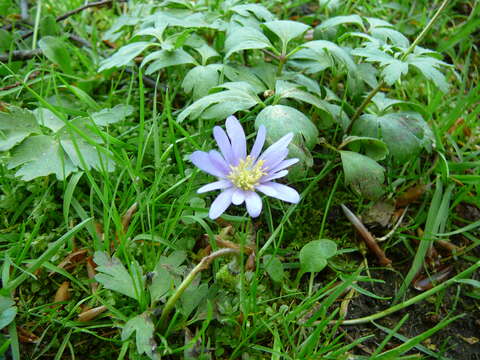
(192, 298)
(428, 67)
(56, 50)
(201, 46)
(48, 119)
(144, 329)
(311, 61)
(164, 58)
(383, 103)
(405, 133)
(221, 104)
(124, 55)
(364, 174)
(256, 10)
(285, 89)
(167, 272)
(15, 126)
(244, 74)
(114, 276)
(84, 154)
(185, 18)
(394, 71)
(374, 148)
(274, 268)
(40, 155)
(244, 38)
(336, 51)
(7, 311)
(110, 116)
(396, 37)
(314, 255)
(286, 30)
(280, 120)
(201, 79)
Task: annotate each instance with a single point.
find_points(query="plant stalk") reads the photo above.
(382, 83)
(202, 265)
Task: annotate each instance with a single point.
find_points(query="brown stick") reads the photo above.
(367, 237)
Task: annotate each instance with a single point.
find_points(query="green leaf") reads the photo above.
(394, 71)
(48, 119)
(365, 175)
(84, 154)
(387, 33)
(336, 51)
(111, 116)
(16, 125)
(374, 148)
(166, 58)
(40, 155)
(236, 73)
(285, 89)
(222, 104)
(281, 120)
(56, 50)
(7, 311)
(201, 79)
(198, 44)
(113, 275)
(192, 298)
(244, 38)
(6, 40)
(144, 329)
(383, 103)
(256, 10)
(428, 66)
(286, 30)
(405, 133)
(340, 20)
(274, 267)
(167, 273)
(311, 61)
(124, 55)
(314, 255)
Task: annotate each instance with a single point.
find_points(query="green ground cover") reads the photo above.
(107, 113)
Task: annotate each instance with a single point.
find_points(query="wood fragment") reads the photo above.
(91, 313)
(62, 293)
(428, 282)
(412, 194)
(91, 273)
(367, 237)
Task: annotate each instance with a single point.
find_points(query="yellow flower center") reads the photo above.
(246, 175)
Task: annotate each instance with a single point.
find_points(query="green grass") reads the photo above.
(234, 310)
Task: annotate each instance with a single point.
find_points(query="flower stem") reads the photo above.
(202, 265)
(419, 38)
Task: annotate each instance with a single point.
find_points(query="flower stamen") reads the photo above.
(247, 174)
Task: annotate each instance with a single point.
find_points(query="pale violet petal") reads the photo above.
(218, 161)
(237, 137)
(217, 185)
(277, 146)
(273, 159)
(254, 203)
(274, 176)
(283, 192)
(267, 190)
(201, 160)
(238, 197)
(259, 142)
(223, 143)
(284, 164)
(221, 203)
